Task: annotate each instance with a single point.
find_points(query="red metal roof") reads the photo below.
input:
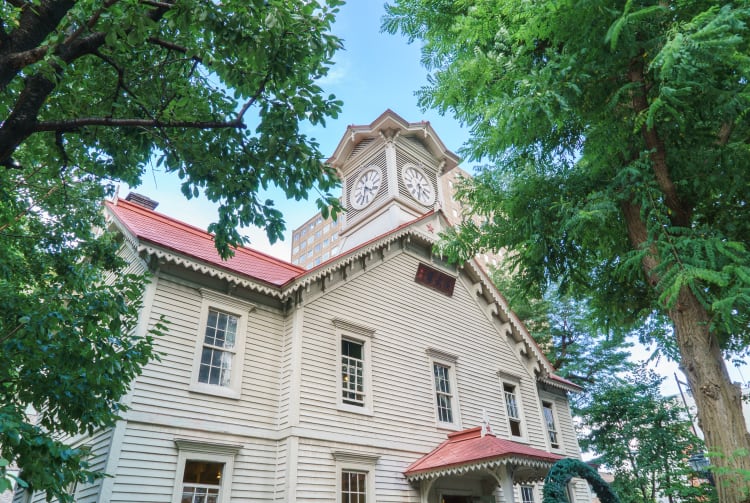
(166, 232)
(469, 446)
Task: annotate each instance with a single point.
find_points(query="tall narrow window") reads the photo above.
(218, 348)
(201, 482)
(443, 394)
(511, 406)
(353, 487)
(220, 337)
(527, 494)
(549, 419)
(352, 372)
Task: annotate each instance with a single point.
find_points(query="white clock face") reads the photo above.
(365, 188)
(418, 185)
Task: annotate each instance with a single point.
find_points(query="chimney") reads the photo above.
(142, 200)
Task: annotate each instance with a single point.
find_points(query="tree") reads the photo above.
(618, 133)
(645, 438)
(578, 346)
(93, 92)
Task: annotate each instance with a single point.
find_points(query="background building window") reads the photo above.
(353, 487)
(201, 482)
(549, 419)
(352, 372)
(443, 394)
(511, 406)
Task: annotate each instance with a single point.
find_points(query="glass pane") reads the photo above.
(202, 472)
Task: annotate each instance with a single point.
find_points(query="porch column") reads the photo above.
(506, 483)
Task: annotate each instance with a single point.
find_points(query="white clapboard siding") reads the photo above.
(99, 444)
(147, 469)
(318, 472)
(409, 318)
(164, 386)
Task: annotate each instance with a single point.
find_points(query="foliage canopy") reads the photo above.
(93, 92)
(617, 137)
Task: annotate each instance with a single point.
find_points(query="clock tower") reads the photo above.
(391, 171)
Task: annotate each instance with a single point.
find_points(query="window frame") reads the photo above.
(555, 421)
(527, 487)
(515, 383)
(450, 361)
(232, 306)
(346, 330)
(196, 450)
(356, 462)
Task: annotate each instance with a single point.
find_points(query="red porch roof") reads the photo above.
(468, 448)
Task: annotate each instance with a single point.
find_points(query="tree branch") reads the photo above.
(680, 215)
(75, 124)
(34, 25)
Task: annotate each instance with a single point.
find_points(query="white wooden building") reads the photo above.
(382, 375)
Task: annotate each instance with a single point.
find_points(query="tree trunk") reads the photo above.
(719, 401)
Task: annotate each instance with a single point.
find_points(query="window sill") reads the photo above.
(212, 390)
(362, 411)
(448, 426)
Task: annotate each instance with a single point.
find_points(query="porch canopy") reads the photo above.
(472, 451)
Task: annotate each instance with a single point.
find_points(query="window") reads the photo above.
(444, 387)
(296, 237)
(218, 348)
(326, 228)
(512, 407)
(204, 471)
(354, 366)
(326, 255)
(352, 372)
(334, 236)
(295, 249)
(303, 232)
(356, 477)
(549, 419)
(220, 343)
(527, 494)
(316, 261)
(318, 234)
(443, 395)
(201, 482)
(319, 221)
(317, 248)
(353, 487)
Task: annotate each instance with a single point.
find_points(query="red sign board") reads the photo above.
(435, 279)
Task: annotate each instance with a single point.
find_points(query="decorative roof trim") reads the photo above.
(560, 383)
(486, 464)
(348, 258)
(515, 322)
(193, 264)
